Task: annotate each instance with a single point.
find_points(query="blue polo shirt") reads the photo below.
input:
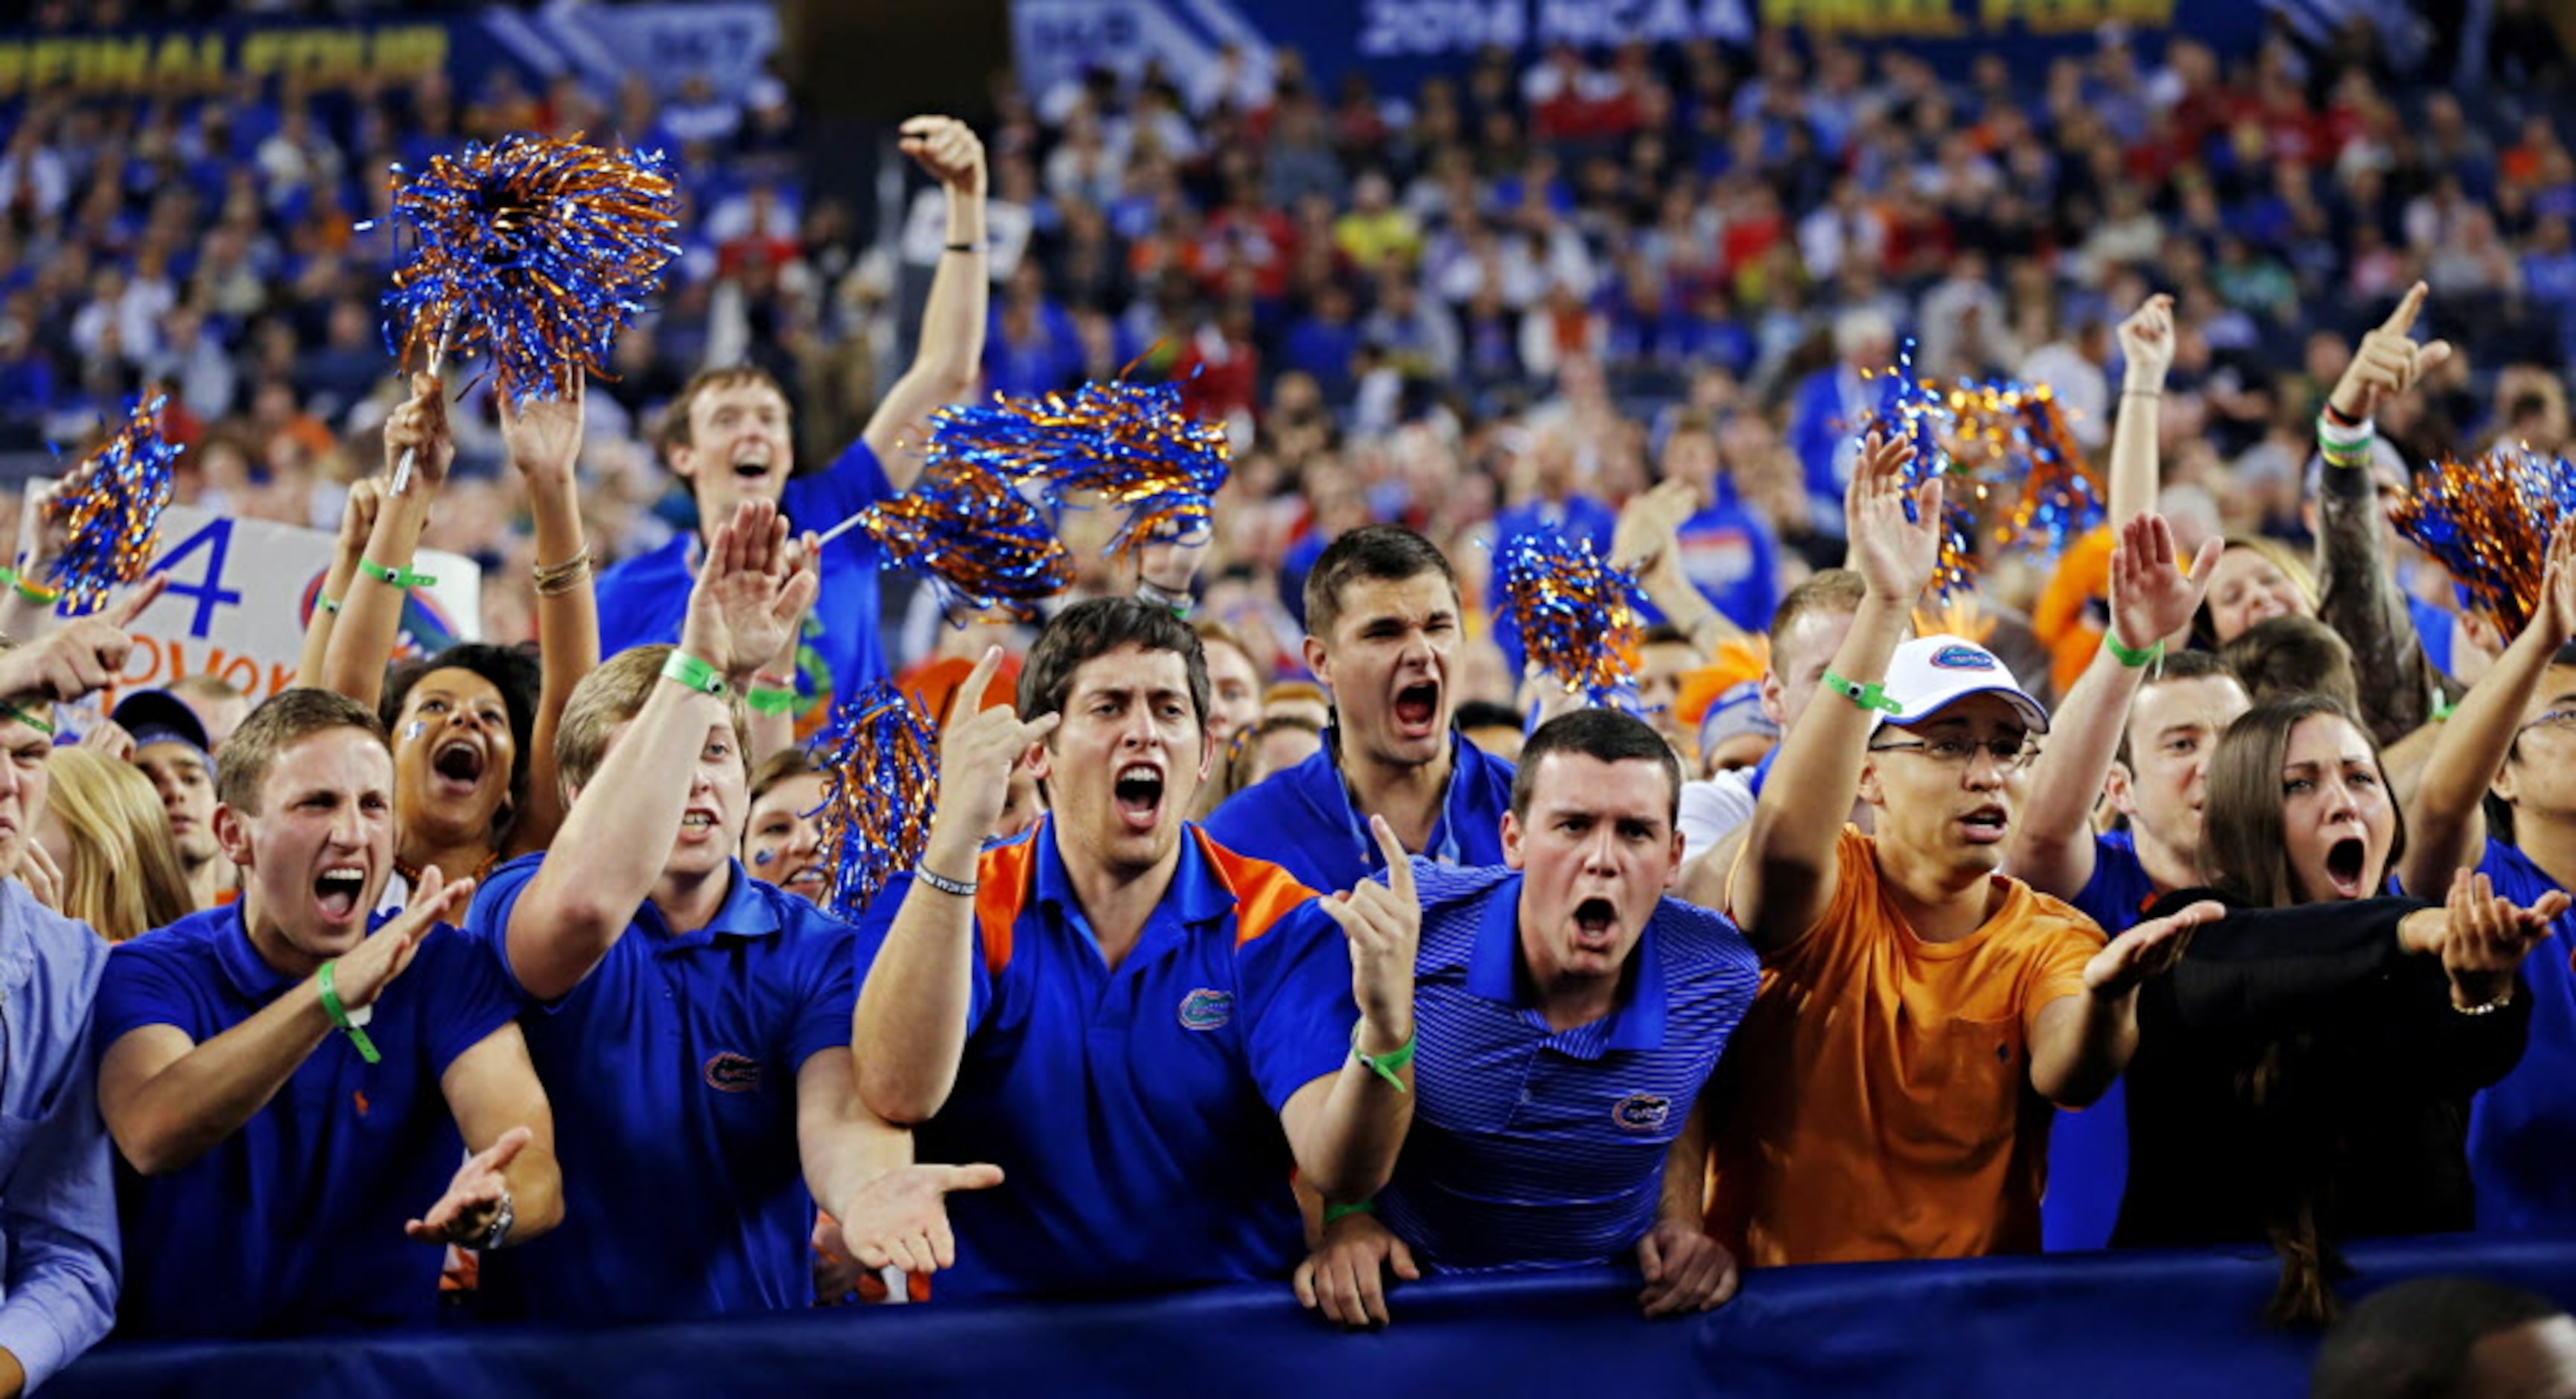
(1534, 1148)
(644, 599)
(2088, 1150)
(2522, 1129)
(1302, 820)
(673, 1073)
(295, 1222)
(1135, 1112)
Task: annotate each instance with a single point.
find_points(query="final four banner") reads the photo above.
(1397, 43)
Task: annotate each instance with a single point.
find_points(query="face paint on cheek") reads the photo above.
(763, 857)
(415, 729)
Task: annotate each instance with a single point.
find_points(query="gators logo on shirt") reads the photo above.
(1204, 1009)
(1642, 1112)
(729, 1072)
(1962, 658)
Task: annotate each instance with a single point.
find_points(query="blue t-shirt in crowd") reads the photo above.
(295, 1223)
(673, 1070)
(644, 599)
(2522, 1130)
(1302, 820)
(1539, 1148)
(1134, 1112)
(1731, 555)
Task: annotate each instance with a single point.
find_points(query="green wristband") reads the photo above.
(26, 717)
(2133, 657)
(764, 700)
(402, 578)
(1872, 696)
(1387, 1065)
(696, 674)
(327, 603)
(1335, 1213)
(340, 1016)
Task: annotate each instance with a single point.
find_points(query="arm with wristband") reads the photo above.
(363, 634)
(610, 854)
(1786, 877)
(2151, 597)
(544, 443)
(168, 1100)
(357, 526)
(950, 360)
(1346, 1127)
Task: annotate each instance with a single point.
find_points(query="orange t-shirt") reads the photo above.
(1877, 1100)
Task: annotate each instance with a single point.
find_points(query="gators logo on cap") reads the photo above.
(1206, 1010)
(1962, 658)
(729, 1072)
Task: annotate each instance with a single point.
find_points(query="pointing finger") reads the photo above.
(2402, 320)
(131, 606)
(970, 692)
(1399, 862)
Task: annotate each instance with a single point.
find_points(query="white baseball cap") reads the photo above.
(1930, 673)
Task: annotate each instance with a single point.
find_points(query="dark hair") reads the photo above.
(2242, 847)
(780, 766)
(2291, 654)
(279, 723)
(1665, 634)
(2413, 1340)
(1607, 734)
(1386, 553)
(1095, 628)
(2175, 668)
(1486, 714)
(512, 671)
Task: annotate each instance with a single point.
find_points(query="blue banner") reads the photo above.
(1397, 43)
(726, 40)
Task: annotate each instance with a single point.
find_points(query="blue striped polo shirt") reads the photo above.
(1534, 1148)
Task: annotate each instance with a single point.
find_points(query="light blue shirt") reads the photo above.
(57, 1189)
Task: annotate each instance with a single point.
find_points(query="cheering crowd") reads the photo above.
(2199, 902)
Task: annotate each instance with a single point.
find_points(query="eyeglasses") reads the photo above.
(2554, 719)
(2010, 754)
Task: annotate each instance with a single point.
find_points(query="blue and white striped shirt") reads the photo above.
(1539, 1149)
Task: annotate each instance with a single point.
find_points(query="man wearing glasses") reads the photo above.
(1880, 1100)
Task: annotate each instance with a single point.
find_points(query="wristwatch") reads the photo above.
(502, 1219)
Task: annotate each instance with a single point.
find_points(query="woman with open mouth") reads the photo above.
(2305, 1073)
(782, 841)
(461, 725)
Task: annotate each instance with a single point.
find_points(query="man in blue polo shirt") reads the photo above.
(2139, 726)
(287, 1077)
(1570, 1014)
(1382, 617)
(729, 435)
(694, 1021)
(1144, 1029)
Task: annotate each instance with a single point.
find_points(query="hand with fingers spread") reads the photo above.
(82, 655)
(1686, 1271)
(47, 531)
(464, 1216)
(543, 436)
(900, 1219)
(2147, 344)
(2387, 363)
(1384, 925)
(1650, 524)
(947, 150)
(2486, 936)
(419, 426)
(2554, 614)
(978, 748)
(750, 594)
(362, 976)
(1893, 554)
(2152, 597)
(1345, 1278)
(2147, 951)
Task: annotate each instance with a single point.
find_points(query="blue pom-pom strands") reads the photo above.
(534, 249)
(2489, 523)
(1130, 445)
(110, 511)
(977, 540)
(1576, 612)
(880, 787)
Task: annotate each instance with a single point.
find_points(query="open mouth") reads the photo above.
(458, 761)
(2344, 860)
(339, 890)
(805, 877)
(1417, 706)
(696, 823)
(1595, 919)
(1139, 794)
(751, 466)
(1986, 825)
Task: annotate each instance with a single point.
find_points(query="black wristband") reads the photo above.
(962, 247)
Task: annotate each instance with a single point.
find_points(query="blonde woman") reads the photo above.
(115, 865)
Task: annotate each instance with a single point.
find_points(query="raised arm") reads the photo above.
(2446, 824)
(544, 442)
(371, 611)
(357, 526)
(1346, 1127)
(1647, 543)
(2151, 598)
(945, 368)
(27, 606)
(617, 836)
(168, 1100)
(2147, 348)
(1785, 879)
(908, 1030)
